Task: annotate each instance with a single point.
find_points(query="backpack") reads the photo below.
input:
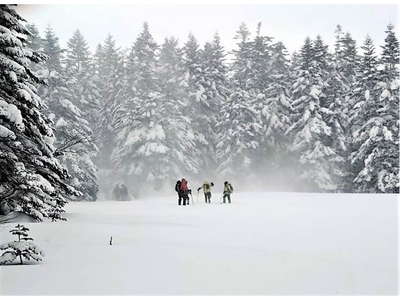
(183, 186)
(230, 188)
(177, 186)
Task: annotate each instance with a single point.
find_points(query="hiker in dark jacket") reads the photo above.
(207, 191)
(116, 193)
(228, 189)
(123, 192)
(178, 190)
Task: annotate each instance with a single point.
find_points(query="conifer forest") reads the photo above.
(320, 119)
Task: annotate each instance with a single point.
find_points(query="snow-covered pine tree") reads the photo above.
(312, 136)
(109, 81)
(388, 92)
(192, 62)
(260, 62)
(239, 132)
(22, 249)
(364, 106)
(174, 106)
(342, 69)
(73, 105)
(275, 109)
(31, 178)
(79, 70)
(334, 111)
(238, 127)
(213, 92)
(345, 55)
(241, 66)
(375, 156)
(141, 156)
(34, 39)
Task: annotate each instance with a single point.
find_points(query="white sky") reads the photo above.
(289, 23)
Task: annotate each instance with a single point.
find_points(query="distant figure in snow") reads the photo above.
(178, 190)
(184, 191)
(207, 191)
(228, 189)
(123, 192)
(116, 193)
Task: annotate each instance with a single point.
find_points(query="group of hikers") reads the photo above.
(182, 188)
(120, 192)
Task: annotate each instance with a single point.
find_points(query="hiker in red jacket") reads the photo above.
(185, 191)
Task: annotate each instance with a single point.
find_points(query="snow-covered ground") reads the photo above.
(263, 243)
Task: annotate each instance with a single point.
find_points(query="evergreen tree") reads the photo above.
(239, 131)
(213, 92)
(31, 179)
(79, 70)
(142, 151)
(276, 107)
(22, 249)
(241, 66)
(375, 157)
(345, 56)
(364, 107)
(260, 62)
(74, 112)
(342, 68)
(312, 136)
(34, 40)
(192, 62)
(174, 105)
(390, 53)
(239, 125)
(109, 82)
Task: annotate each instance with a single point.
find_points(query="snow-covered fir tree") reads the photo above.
(175, 109)
(275, 109)
(345, 55)
(74, 109)
(363, 108)
(312, 137)
(34, 39)
(241, 66)
(142, 150)
(22, 249)
(192, 62)
(109, 82)
(375, 156)
(260, 62)
(31, 179)
(214, 90)
(239, 125)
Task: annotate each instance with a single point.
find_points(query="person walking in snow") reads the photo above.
(228, 189)
(178, 190)
(116, 193)
(124, 194)
(207, 191)
(185, 191)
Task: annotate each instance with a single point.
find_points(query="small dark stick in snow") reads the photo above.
(111, 241)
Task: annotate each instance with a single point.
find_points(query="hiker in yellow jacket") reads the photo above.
(207, 191)
(228, 189)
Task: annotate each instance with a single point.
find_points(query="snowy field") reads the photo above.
(263, 243)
